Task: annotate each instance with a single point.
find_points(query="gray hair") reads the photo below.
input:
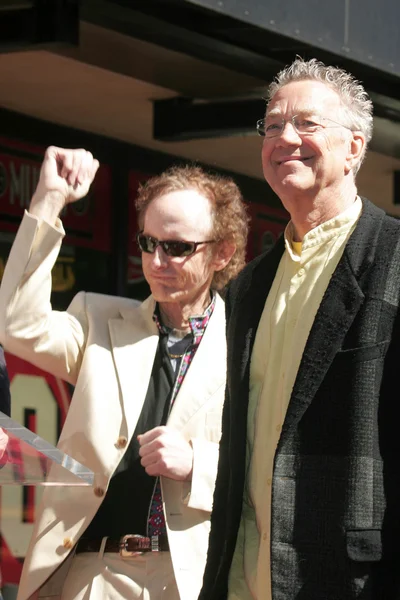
(356, 103)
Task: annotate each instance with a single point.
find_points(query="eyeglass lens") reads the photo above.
(273, 126)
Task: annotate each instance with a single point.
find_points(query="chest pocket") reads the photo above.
(363, 353)
(364, 545)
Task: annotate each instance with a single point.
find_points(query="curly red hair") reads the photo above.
(230, 219)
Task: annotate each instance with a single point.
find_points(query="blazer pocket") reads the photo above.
(364, 545)
(363, 353)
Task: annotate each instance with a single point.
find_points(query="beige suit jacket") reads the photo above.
(105, 347)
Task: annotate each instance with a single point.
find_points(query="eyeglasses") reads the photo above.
(171, 247)
(304, 125)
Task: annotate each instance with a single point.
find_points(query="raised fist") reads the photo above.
(66, 173)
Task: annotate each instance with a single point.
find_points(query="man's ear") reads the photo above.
(356, 149)
(223, 254)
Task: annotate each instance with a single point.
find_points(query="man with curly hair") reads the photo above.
(149, 386)
(307, 499)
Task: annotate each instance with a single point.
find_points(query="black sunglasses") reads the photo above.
(171, 247)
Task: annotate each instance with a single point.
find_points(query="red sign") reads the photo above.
(46, 399)
(87, 222)
(266, 226)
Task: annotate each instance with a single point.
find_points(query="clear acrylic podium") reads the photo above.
(27, 459)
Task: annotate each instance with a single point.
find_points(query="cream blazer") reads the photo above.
(105, 347)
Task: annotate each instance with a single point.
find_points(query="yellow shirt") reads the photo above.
(292, 303)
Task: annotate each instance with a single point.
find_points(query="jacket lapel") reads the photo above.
(134, 340)
(339, 306)
(206, 373)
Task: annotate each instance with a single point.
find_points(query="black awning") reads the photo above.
(358, 31)
(28, 24)
(260, 36)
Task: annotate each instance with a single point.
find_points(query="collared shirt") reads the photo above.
(198, 325)
(300, 282)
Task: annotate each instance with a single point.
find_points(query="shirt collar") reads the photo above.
(325, 231)
(198, 323)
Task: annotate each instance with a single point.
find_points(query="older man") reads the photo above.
(149, 385)
(307, 500)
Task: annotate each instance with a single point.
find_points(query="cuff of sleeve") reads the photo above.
(58, 226)
(199, 492)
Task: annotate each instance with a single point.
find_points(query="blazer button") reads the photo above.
(121, 442)
(68, 543)
(99, 492)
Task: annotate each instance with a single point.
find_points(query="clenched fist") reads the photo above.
(65, 177)
(164, 451)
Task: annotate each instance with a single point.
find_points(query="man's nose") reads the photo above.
(289, 135)
(159, 257)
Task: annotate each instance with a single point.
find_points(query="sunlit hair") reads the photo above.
(357, 106)
(230, 220)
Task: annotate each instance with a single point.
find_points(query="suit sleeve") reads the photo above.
(5, 398)
(29, 328)
(205, 462)
(218, 532)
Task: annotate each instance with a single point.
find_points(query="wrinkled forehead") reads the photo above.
(304, 97)
(304, 110)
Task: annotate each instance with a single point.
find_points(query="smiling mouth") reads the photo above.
(293, 159)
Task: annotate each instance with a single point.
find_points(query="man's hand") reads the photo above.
(65, 177)
(165, 451)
